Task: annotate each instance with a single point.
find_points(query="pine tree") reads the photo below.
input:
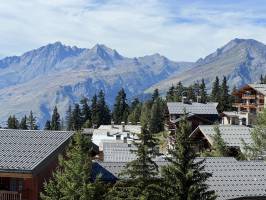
(170, 95)
(202, 92)
(261, 79)
(134, 104)
(55, 122)
(215, 94)
(103, 113)
(233, 98)
(31, 122)
(94, 111)
(121, 108)
(62, 124)
(141, 172)
(69, 120)
(85, 110)
(76, 118)
(134, 116)
(47, 125)
(179, 92)
(155, 95)
(219, 148)
(258, 135)
(145, 114)
(73, 178)
(224, 103)
(184, 177)
(156, 123)
(196, 88)
(23, 123)
(12, 122)
(190, 95)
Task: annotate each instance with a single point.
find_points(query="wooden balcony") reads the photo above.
(9, 195)
(248, 96)
(245, 105)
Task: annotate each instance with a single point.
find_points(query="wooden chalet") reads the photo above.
(251, 98)
(27, 159)
(197, 113)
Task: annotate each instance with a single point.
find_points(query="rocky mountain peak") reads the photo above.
(105, 52)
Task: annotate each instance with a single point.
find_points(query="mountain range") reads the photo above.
(60, 75)
(242, 61)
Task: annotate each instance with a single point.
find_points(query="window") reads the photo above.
(13, 184)
(20, 185)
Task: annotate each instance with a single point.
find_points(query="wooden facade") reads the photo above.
(249, 99)
(28, 186)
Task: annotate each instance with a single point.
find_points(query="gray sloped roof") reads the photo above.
(117, 152)
(231, 134)
(234, 179)
(195, 108)
(230, 178)
(25, 150)
(121, 152)
(259, 87)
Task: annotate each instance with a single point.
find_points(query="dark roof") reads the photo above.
(195, 108)
(231, 179)
(26, 150)
(231, 134)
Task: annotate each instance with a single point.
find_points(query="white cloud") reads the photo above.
(178, 30)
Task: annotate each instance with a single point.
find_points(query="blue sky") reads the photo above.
(181, 30)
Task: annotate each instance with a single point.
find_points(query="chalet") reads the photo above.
(233, 135)
(231, 179)
(197, 113)
(250, 100)
(27, 159)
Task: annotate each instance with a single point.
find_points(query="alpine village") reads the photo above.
(186, 144)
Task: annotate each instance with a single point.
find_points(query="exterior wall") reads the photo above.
(226, 120)
(44, 175)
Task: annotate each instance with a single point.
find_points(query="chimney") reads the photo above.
(123, 126)
(184, 99)
(125, 139)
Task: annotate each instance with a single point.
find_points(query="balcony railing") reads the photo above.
(245, 105)
(248, 96)
(9, 195)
